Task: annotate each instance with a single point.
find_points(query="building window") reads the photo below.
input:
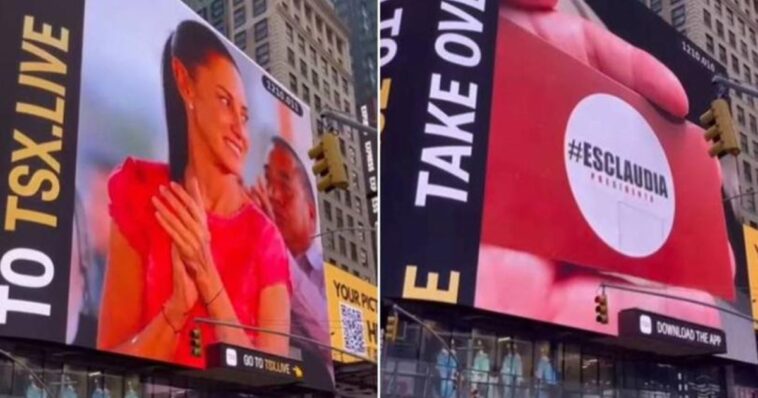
(753, 38)
(296, 4)
(353, 252)
(722, 54)
(328, 211)
(735, 65)
(262, 54)
(707, 18)
(743, 144)
(339, 46)
(364, 258)
(319, 24)
(755, 149)
(326, 66)
(301, 43)
(329, 241)
(203, 12)
(340, 221)
(743, 48)
(326, 88)
(290, 34)
(740, 115)
(308, 13)
(678, 16)
(753, 125)
(349, 203)
(329, 36)
(290, 57)
(217, 9)
(259, 7)
(303, 69)
(719, 8)
(314, 78)
(317, 103)
(709, 43)
(719, 29)
(306, 94)
(314, 58)
(747, 170)
(742, 27)
(656, 6)
(732, 40)
(344, 86)
(335, 79)
(239, 17)
(240, 39)
(751, 203)
(293, 83)
(342, 245)
(336, 98)
(261, 30)
(347, 107)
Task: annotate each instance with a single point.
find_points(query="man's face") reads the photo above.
(294, 214)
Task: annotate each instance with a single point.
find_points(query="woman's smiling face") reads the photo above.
(220, 113)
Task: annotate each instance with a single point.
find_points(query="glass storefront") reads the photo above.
(512, 363)
(42, 375)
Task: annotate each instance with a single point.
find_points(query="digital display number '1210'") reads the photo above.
(282, 95)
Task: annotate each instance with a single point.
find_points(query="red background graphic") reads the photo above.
(528, 203)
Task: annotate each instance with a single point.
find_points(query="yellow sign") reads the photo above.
(751, 249)
(431, 291)
(353, 314)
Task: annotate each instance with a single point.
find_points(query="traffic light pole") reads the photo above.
(334, 231)
(724, 83)
(278, 333)
(679, 298)
(740, 195)
(345, 119)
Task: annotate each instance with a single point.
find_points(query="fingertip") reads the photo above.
(658, 83)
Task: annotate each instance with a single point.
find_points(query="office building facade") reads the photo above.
(727, 31)
(360, 16)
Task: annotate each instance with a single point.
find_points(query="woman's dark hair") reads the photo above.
(193, 44)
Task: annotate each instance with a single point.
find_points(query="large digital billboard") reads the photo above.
(535, 159)
(154, 175)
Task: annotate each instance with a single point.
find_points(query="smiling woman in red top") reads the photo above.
(186, 241)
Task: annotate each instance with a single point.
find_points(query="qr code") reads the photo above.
(352, 329)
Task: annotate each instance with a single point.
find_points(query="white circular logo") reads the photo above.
(619, 175)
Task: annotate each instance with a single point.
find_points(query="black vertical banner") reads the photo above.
(40, 64)
(436, 60)
(368, 147)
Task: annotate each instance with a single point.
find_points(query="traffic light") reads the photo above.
(601, 308)
(390, 330)
(329, 163)
(196, 342)
(720, 129)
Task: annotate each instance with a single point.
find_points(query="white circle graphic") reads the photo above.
(619, 175)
